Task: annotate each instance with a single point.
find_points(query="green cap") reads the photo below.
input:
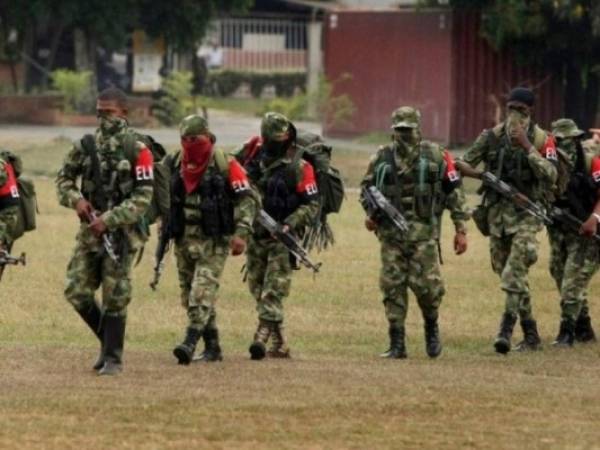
(566, 128)
(194, 125)
(406, 117)
(274, 126)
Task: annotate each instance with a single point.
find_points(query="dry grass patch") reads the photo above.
(335, 393)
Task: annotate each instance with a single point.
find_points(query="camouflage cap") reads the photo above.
(566, 128)
(274, 126)
(194, 125)
(406, 117)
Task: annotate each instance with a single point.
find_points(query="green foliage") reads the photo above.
(330, 108)
(76, 88)
(226, 82)
(293, 108)
(177, 100)
(183, 23)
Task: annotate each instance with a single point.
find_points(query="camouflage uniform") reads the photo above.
(201, 253)
(425, 174)
(8, 203)
(513, 242)
(289, 194)
(127, 182)
(573, 257)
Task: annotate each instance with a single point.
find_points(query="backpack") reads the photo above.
(312, 148)
(159, 207)
(27, 211)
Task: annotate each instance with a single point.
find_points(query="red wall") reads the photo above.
(483, 78)
(435, 61)
(395, 58)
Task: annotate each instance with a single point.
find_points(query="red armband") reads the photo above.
(144, 165)
(238, 179)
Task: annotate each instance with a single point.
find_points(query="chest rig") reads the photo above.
(414, 187)
(276, 182)
(210, 206)
(579, 197)
(510, 164)
(108, 173)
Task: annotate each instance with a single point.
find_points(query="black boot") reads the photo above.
(114, 336)
(433, 344)
(531, 338)
(502, 342)
(258, 348)
(566, 334)
(184, 352)
(212, 350)
(397, 348)
(92, 316)
(583, 329)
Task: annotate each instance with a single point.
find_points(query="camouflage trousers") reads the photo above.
(269, 277)
(90, 267)
(200, 265)
(573, 263)
(512, 256)
(413, 265)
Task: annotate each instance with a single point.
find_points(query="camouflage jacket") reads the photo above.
(430, 169)
(536, 175)
(128, 182)
(9, 209)
(456, 204)
(245, 197)
(261, 173)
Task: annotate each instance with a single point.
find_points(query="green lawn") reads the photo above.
(334, 393)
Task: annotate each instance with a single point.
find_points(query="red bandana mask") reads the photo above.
(196, 156)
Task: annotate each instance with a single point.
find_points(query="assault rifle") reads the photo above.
(7, 259)
(106, 241)
(569, 220)
(162, 248)
(519, 199)
(375, 202)
(287, 239)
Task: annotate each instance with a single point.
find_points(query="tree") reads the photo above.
(106, 24)
(561, 36)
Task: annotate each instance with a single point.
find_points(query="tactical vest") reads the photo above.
(210, 206)
(510, 164)
(277, 184)
(108, 177)
(416, 191)
(579, 196)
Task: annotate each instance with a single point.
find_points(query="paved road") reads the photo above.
(230, 129)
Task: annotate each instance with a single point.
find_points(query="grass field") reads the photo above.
(334, 393)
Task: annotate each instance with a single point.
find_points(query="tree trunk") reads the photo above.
(591, 94)
(575, 101)
(54, 43)
(29, 51)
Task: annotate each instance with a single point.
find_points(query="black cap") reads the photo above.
(522, 95)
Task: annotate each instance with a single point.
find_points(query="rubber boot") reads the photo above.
(258, 349)
(397, 348)
(531, 339)
(212, 350)
(433, 344)
(114, 336)
(502, 342)
(279, 346)
(583, 329)
(566, 334)
(92, 316)
(184, 352)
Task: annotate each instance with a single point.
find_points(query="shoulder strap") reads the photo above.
(539, 137)
(88, 144)
(221, 162)
(130, 146)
